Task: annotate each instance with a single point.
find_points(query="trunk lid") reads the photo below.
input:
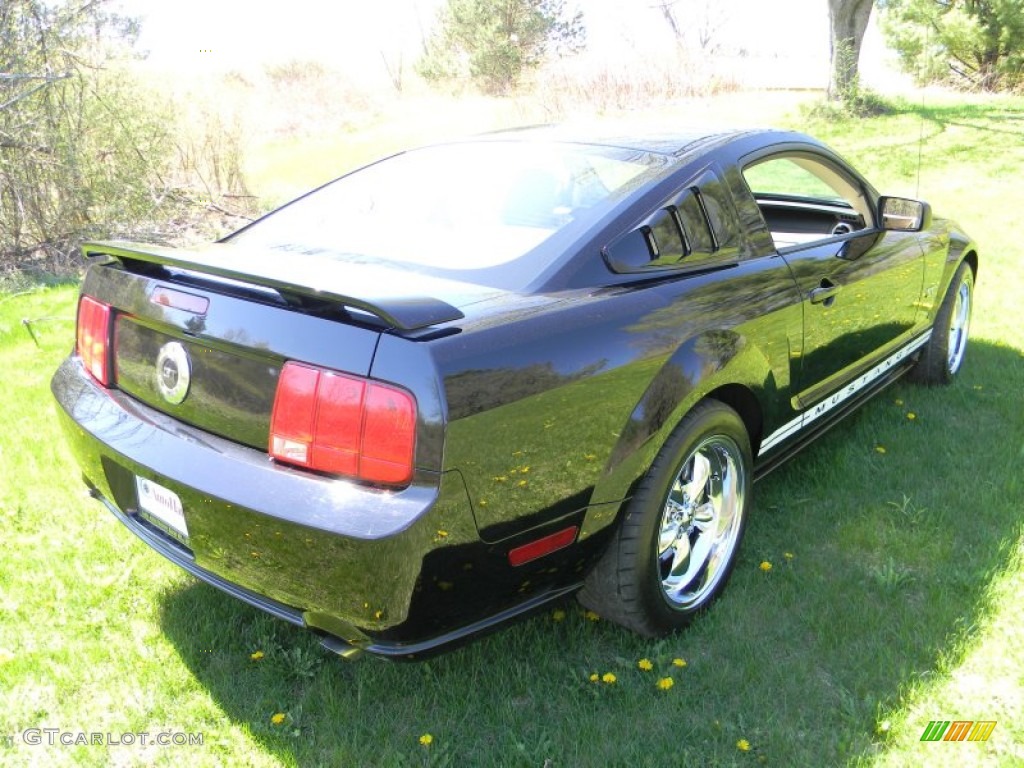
(226, 319)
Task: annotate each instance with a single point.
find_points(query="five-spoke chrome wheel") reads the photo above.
(943, 356)
(677, 542)
(959, 325)
(701, 521)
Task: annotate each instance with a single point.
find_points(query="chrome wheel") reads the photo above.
(701, 522)
(959, 324)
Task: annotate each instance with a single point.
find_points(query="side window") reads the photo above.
(668, 244)
(698, 223)
(719, 212)
(804, 199)
(695, 223)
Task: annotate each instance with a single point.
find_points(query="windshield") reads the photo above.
(460, 208)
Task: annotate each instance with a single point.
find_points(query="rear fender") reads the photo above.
(699, 368)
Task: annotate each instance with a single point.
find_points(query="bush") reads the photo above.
(82, 146)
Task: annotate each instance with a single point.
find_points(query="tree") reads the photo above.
(76, 145)
(493, 42)
(976, 44)
(848, 20)
(704, 19)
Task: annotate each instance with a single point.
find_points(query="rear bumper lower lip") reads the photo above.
(348, 649)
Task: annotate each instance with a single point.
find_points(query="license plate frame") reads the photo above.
(162, 506)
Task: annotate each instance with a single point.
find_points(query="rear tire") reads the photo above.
(676, 545)
(943, 355)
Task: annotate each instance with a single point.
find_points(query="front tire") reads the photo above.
(676, 545)
(943, 355)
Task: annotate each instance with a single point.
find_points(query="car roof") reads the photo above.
(674, 143)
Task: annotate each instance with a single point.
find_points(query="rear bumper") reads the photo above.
(396, 573)
(317, 551)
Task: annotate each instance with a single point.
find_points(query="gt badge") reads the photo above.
(173, 372)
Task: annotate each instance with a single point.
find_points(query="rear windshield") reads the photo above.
(461, 210)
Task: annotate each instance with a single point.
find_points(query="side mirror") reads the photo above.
(903, 214)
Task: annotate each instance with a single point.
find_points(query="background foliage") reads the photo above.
(493, 42)
(975, 44)
(73, 160)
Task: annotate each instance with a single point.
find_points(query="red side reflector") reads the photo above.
(343, 424)
(544, 546)
(94, 338)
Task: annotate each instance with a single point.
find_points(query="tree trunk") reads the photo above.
(849, 21)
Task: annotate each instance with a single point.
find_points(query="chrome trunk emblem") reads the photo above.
(173, 372)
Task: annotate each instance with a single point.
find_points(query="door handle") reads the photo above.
(825, 293)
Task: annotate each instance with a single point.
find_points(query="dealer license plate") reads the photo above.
(162, 504)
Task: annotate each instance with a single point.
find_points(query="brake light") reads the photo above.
(343, 424)
(94, 338)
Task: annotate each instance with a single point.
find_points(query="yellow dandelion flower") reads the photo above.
(665, 683)
(645, 665)
(483, 502)
(788, 555)
(500, 479)
(880, 449)
(558, 614)
(256, 655)
(522, 483)
(589, 456)
(608, 677)
(592, 616)
(426, 739)
(743, 745)
(278, 718)
(679, 663)
(911, 415)
(524, 470)
(898, 401)
(594, 677)
(378, 615)
(765, 566)
(442, 534)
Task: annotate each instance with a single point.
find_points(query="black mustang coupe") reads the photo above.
(473, 378)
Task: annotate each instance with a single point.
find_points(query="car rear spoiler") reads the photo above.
(366, 288)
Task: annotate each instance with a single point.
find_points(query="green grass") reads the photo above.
(900, 604)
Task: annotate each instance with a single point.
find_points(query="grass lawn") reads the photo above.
(896, 545)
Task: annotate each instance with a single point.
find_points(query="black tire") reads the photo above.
(677, 542)
(943, 355)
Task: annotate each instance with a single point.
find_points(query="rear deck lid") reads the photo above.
(400, 298)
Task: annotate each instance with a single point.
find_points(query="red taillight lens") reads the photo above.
(94, 338)
(343, 424)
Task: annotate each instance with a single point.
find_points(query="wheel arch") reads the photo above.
(742, 380)
(743, 400)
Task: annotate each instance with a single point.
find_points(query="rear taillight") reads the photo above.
(94, 338)
(342, 424)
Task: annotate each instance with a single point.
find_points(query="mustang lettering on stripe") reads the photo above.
(819, 409)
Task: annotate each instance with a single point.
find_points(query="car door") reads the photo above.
(860, 285)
